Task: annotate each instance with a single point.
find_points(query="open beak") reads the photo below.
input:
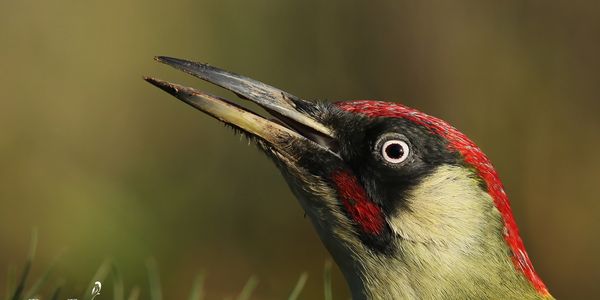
(292, 125)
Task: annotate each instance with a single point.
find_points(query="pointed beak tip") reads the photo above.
(163, 85)
(152, 80)
(177, 63)
(160, 58)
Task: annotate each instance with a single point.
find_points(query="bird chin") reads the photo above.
(315, 195)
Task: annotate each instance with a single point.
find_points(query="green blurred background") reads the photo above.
(107, 166)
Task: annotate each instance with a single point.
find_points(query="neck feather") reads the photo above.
(450, 245)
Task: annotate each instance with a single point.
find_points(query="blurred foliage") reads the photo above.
(107, 166)
(21, 289)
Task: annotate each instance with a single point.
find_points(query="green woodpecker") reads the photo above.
(407, 205)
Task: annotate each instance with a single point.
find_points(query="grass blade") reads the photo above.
(327, 281)
(100, 275)
(11, 280)
(39, 283)
(31, 293)
(21, 285)
(246, 292)
(153, 280)
(134, 294)
(299, 286)
(197, 292)
(56, 293)
(118, 288)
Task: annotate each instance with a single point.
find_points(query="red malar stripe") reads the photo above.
(354, 198)
(473, 156)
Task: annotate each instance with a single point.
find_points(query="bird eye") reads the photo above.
(395, 151)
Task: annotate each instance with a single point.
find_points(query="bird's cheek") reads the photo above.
(364, 212)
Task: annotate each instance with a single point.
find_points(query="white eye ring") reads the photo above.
(395, 151)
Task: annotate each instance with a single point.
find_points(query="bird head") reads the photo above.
(407, 205)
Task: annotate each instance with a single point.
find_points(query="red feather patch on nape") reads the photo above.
(354, 198)
(473, 156)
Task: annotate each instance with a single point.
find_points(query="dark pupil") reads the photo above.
(394, 151)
